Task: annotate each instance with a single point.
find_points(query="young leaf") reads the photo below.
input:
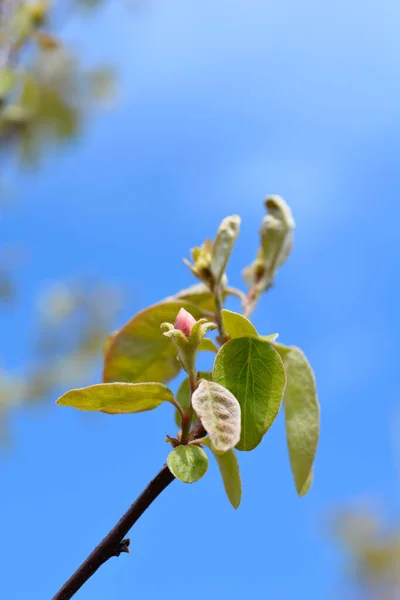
(301, 415)
(198, 294)
(253, 371)
(201, 256)
(188, 463)
(183, 394)
(107, 342)
(236, 326)
(207, 345)
(222, 246)
(118, 398)
(7, 79)
(229, 468)
(139, 352)
(307, 486)
(219, 413)
(276, 234)
(269, 338)
(276, 243)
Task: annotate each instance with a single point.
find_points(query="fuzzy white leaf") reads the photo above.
(223, 244)
(219, 413)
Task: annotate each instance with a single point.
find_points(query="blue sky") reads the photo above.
(221, 103)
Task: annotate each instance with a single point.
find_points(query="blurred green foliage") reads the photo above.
(45, 93)
(373, 550)
(46, 97)
(72, 322)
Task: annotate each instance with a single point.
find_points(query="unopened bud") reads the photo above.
(184, 322)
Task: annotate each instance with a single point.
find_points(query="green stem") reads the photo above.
(178, 407)
(188, 414)
(218, 313)
(186, 423)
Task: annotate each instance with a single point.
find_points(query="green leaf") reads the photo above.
(188, 463)
(22, 24)
(229, 468)
(207, 345)
(269, 338)
(253, 371)
(307, 486)
(107, 342)
(223, 244)
(16, 114)
(237, 325)
(139, 351)
(301, 415)
(183, 394)
(118, 398)
(7, 79)
(219, 413)
(31, 97)
(198, 294)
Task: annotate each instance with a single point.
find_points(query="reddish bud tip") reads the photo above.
(184, 322)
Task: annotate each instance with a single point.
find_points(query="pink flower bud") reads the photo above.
(184, 322)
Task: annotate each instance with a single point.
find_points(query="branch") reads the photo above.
(114, 543)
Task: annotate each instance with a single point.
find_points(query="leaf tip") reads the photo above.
(306, 487)
(236, 503)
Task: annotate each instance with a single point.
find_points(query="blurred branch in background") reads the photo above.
(46, 96)
(373, 550)
(73, 321)
(45, 93)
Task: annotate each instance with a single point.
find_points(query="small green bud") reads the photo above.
(201, 257)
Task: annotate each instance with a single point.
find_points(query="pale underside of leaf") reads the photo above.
(282, 237)
(222, 247)
(302, 415)
(219, 413)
